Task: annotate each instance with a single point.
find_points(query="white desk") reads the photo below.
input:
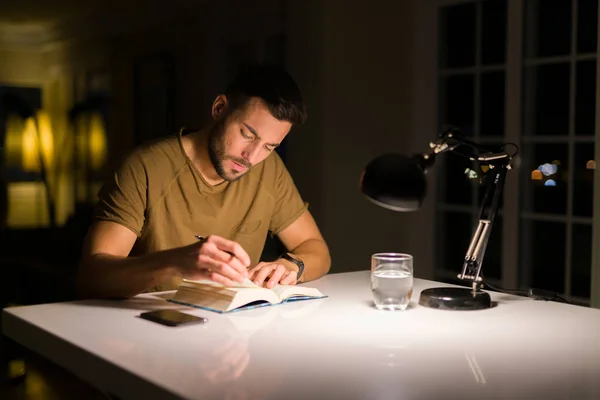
(335, 348)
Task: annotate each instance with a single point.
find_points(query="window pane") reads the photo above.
(585, 98)
(583, 183)
(587, 25)
(581, 261)
(493, 27)
(456, 187)
(457, 36)
(547, 100)
(546, 247)
(454, 234)
(492, 104)
(458, 102)
(547, 27)
(545, 178)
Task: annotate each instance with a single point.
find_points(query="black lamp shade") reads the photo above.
(395, 182)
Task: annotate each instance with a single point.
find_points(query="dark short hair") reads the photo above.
(274, 85)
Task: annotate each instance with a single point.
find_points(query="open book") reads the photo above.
(213, 296)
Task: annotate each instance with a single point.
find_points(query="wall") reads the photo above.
(21, 67)
(357, 75)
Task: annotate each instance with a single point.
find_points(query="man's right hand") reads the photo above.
(215, 258)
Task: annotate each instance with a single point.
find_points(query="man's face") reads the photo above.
(239, 140)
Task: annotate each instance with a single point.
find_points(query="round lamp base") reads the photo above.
(453, 298)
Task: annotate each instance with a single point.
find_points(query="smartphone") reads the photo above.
(172, 317)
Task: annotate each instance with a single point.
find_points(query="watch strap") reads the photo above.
(300, 264)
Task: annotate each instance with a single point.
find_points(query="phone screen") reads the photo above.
(172, 317)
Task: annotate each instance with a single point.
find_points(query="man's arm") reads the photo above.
(106, 271)
(304, 240)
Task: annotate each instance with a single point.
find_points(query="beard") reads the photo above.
(218, 154)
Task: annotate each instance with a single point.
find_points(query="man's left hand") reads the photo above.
(269, 274)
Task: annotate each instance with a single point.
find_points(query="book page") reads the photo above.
(246, 284)
(287, 291)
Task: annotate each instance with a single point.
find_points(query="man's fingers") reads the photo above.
(221, 279)
(212, 250)
(216, 277)
(198, 274)
(277, 274)
(289, 279)
(231, 247)
(262, 274)
(254, 270)
(235, 263)
(219, 268)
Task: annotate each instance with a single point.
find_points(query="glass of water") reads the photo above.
(391, 280)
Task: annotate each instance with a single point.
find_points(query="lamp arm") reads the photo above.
(451, 136)
(489, 207)
(449, 141)
(499, 163)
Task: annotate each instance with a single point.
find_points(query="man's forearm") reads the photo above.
(107, 276)
(315, 256)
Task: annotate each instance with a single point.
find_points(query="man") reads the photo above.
(224, 184)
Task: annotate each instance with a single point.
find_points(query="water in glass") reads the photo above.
(392, 286)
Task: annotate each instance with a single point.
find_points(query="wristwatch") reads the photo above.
(300, 264)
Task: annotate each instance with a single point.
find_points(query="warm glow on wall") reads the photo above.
(34, 140)
(46, 138)
(14, 140)
(97, 142)
(23, 142)
(26, 205)
(29, 143)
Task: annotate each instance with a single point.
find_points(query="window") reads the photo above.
(522, 72)
(472, 80)
(558, 137)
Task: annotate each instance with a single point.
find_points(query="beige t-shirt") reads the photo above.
(161, 196)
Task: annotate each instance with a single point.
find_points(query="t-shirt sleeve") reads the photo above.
(288, 202)
(123, 197)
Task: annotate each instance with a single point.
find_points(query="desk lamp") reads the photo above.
(398, 182)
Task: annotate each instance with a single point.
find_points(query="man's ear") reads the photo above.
(219, 106)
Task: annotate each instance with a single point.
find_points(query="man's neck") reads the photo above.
(197, 150)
